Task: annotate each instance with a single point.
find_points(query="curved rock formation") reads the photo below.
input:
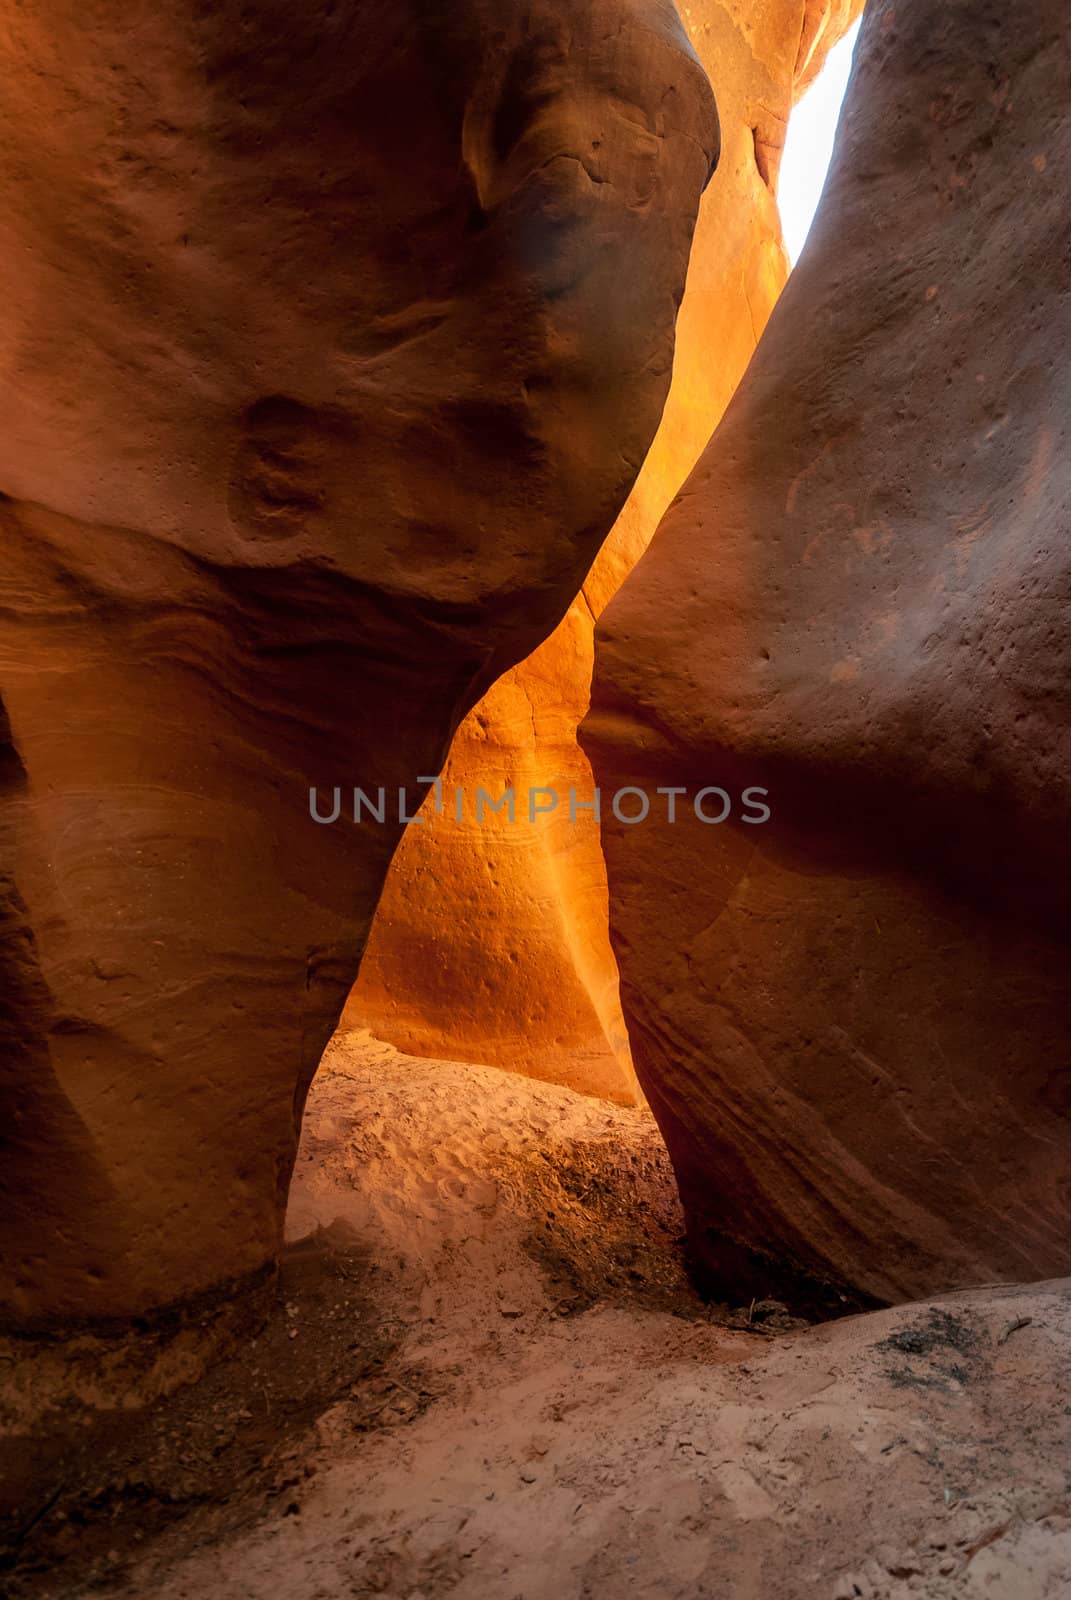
(491, 942)
(322, 384)
(491, 938)
(852, 1022)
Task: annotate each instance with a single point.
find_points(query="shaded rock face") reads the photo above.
(853, 1021)
(491, 942)
(322, 385)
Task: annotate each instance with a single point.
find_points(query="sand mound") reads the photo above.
(488, 1378)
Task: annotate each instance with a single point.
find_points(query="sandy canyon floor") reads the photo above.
(487, 1377)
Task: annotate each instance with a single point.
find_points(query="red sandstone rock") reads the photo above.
(853, 1023)
(322, 383)
(491, 941)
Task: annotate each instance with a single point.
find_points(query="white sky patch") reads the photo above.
(809, 145)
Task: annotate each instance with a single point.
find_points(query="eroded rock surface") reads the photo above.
(322, 384)
(852, 1022)
(491, 941)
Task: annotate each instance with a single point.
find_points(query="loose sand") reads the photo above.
(488, 1378)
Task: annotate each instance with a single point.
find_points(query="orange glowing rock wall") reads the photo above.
(491, 942)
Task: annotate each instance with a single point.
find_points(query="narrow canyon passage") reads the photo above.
(491, 938)
(534, 855)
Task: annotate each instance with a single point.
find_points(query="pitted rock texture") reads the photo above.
(322, 385)
(852, 1022)
(491, 942)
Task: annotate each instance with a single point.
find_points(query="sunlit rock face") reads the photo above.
(824, 22)
(491, 943)
(853, 1021)
(491, 939)
(322, 385)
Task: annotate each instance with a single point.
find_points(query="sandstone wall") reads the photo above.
(853, 1022)
(322, 385)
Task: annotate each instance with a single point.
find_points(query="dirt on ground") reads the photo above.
(483, 1373)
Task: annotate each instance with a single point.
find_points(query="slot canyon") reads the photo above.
(534, 868)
